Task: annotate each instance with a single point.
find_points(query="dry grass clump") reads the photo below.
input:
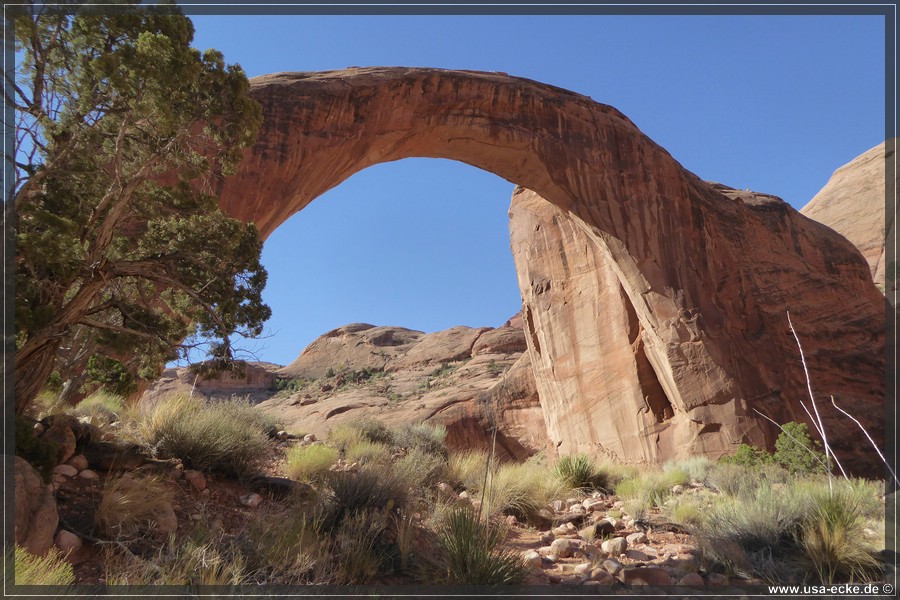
(310, 463)
(795, 532)
(366, 452)
(420, 469)
(466, 469)
(648, 489)
(694, 468)
(129, 505)
(101, 408)
(50, 569)
(519, 489)
(229, 437)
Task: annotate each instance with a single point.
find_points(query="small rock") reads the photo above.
(446, 490)
(604, 528)
(282, 435)
(614, 546)
(637, 555)
(532, 559)
(39, 429)
(678, 489)
(592, 505)
(571, 580)
(196, 478)
(167, 520)
(692, 580)
(196, 517)
(570, 526)
(88, 474)
(464, 495)
(545, 550)
(716, 579)
(547, 537)
(554, 579)
(577, 510)
(637, 538)
(582, 569)
(78, 461)
(309, 438)
(558, 505)
(67, 541)
(592, 552)
(570, 502)
(564, 548)
(646, 576)
(353, 468)
(65, 470)
(629, 523)
(511, 520)
(612, 566)
(618, 504)
(251, 500)
(602, 577)
(561, 530)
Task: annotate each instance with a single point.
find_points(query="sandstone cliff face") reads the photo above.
(708, 272)
(852, 203)
(467, 379)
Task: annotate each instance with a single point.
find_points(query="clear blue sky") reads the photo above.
(770, 103)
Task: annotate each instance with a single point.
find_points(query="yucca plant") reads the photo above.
(579, 472)
(471, 552)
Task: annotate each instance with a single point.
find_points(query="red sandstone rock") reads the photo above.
(853, 204)
(699, 276)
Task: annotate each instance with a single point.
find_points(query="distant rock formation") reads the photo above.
(705, 274)
(853, 204)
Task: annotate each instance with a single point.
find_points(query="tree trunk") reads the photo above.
(34, 364)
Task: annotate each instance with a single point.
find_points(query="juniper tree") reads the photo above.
(122, 253)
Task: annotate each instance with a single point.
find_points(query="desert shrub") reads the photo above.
(466, 469)
(695, 468)
(369, 489)
(419, 469)
(650, 487)
(101, 408)
(286, 546)
(470, 552)
(616, 472)
(366, 452)
(228, 437)
(129, 505)
(797, 452)
(832, 538)
(343, 436)
(374, 431)
(748, 456)
(359, 549)
(756, 534)
(686, 511)
(190, 562)
(731, 478)
(519, 489)
(423, 436)
(579, 472)
(50, 569)
(310, 463)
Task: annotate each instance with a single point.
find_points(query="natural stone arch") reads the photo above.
(704, 273)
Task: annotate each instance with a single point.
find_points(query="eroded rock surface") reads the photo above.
(708, 272)
(852, 203)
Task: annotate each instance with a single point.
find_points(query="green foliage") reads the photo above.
(422, 436)
(748, 456)
(833, 541)
(796, 452)
(374, 431)
(471, 553)
(228, 437)
(329, 372)
(50, 569)
(290, 386)
(579, 472)
(802, 530)
(119, 252)
(310, 463)
(365, 452)
(110, 375)
(43, 455)
(494, 368)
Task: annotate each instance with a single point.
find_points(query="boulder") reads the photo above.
(614, 546)
(36, 517)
